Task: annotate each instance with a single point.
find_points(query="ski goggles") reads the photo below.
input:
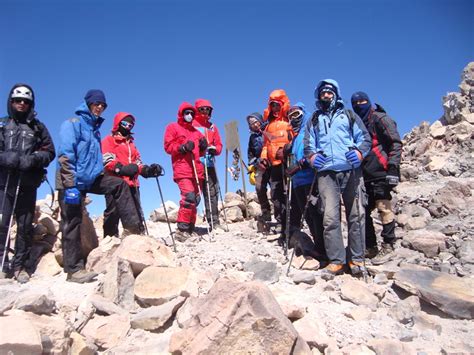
(295, 114)
(204, 109)
(188, 112)
(275, 104)
(126, 125)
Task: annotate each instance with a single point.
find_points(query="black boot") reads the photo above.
(388, 232)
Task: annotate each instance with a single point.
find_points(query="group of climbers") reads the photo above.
(310, 161)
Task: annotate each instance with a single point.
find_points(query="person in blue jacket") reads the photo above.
(80, 170)
(335, 143)
(302, 177)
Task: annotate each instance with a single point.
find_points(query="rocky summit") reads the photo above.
(230, 292)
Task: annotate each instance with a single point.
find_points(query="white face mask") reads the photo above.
(188, 118)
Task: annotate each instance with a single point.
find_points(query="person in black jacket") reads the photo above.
(381, 170)
(26, 149)
(262, 178)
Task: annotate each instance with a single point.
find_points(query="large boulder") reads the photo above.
(107, 332)
(19, 336)
(159, 215)
(237, 317)
(429, 242)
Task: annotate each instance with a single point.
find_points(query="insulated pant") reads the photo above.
(188, 204)
(24, 214)
(278, 193)
(71, 217)
(379, 197)
(350, 185)
(112, 216)
(262, 179)
(213, 198)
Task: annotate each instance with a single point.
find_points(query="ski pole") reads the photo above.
(199, 187)
(222, 200)
(138, 206)
(288, 207)
(166, 213)
(4, 197)
(7, 241)
(208, 193)
(362, 242)
(302, 218)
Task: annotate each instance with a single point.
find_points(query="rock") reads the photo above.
(234, 214)
(80, 346)
(304, 277)
(99, 257)
(106, 332)
(237, 317)
(89, 239)
(305, 263)
(381, 279)
(155, 317)
(390, 346)
(437, 130)
(308, 328)
(118, 284)
(254, 209)
(356, 349)
(158, 285)
(453, 295)
(142, 342)
(19, 336)
(36, 302)
(359, 313)
(142, 251)
(437, 162)
(103, 306)
(405, 310)
(414, 223)
(465, 252)
(428, 242)
(231, 196)
(158, 215)
(48, 266)
(424, 321)
(51, 224)
(262, 270)
(357, 292)
(7, 299)
(453, 196)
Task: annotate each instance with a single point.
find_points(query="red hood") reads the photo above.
(202, 119)
(119, 117)
(182, 107)
(280, 96)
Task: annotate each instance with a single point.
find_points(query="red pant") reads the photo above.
(188, 204)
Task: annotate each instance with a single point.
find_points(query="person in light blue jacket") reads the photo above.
(335, 143)
(302, 177)
(79, 171)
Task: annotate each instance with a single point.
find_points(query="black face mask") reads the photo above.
(123, 131)
(20, 116)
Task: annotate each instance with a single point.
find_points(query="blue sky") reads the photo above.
(149, 56)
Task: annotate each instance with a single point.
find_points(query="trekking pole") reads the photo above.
(7, 241)
(4, 197)
(138, 206)
(222, 200)
(208, 193)
(305, 209)
(199, 189)
(288, 207)
(166, 213)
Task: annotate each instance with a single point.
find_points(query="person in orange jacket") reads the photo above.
(276, 135)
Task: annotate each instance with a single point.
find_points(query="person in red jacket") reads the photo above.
(203, 123)
(186, 144)
(122, 158)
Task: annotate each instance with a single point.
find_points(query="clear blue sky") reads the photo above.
(149, 56)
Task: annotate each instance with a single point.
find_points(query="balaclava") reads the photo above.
(364, 109)
(296, 122)
(327, 105)
(122, 129)
(188, 117)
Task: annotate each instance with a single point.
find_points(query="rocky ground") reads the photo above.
(230, 292)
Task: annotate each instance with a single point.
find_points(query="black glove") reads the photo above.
(154, 170)
(211, 150)
(186, 147)
(10, 160)
(27, 162)
(393, 174)
(287, 150)
(263, 164)
(202, 144)
(129, 170)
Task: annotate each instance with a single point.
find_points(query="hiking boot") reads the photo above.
(219, 228)
(81, 276)
(371, 252)
(22, 276)
(357, 268)
(181, 236)
(3, 275)
(266, 216)
(385, 254)
(333, 269)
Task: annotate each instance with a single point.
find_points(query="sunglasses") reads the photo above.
(189, 112)
(127, 125)
(293, 115)
(19, 101)
(274, 104)
(204, 109)
(100, 104)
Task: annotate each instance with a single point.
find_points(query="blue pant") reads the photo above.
(350, 185)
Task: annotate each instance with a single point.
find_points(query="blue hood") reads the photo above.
(83, 111)
(339, 101)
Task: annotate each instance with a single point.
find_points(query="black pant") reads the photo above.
(71, 218)
(377, 190)
(111, 213)
(211, 199)
(24, 214)
(278, 193)
(262, 179)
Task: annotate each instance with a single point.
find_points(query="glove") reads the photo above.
(26, 162)
(263, 164)
(154, 170)
(353, 158)
(287, 150)
(129, 170)
(392, 180)
(292, 170)
(211, 150)
(319, 161)
(202, 144)
(11, 160)
(72, 196)
(186, 147)
(279, 154)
